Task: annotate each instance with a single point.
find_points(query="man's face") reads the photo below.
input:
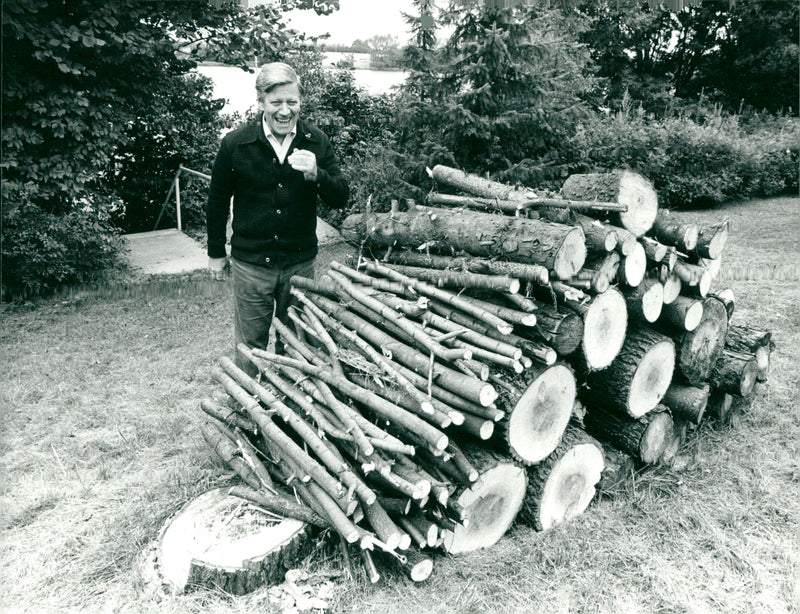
(281, 107)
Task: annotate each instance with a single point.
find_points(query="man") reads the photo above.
(274, 168)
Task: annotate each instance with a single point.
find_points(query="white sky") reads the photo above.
(356, 19)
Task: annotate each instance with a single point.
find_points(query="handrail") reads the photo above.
(175, 186)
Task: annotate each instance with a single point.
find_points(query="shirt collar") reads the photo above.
(270, 136)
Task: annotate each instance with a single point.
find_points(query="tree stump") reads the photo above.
(221, 542)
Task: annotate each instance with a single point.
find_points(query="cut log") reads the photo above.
(563, 485)
(656, 252)
(695, 277)
(671, 230)
(444, 278)
(538, 410)
(528, 272)
(672, 288)
(479, 186)
(735, 373)
(623, 187)
(220, 542)
(687, 403)
(633, 266)
(699, 349)
(599, 236)
(728, 299)
(558, 327)
(744, 339)
(674, 442)
(720, 405)
(712, 239)
(558, 247)
(490, 504)
(684, 313)
(605, 320)
(619, 467)
(638, 377)
(600, 269)
(644, 438)
(645, 301)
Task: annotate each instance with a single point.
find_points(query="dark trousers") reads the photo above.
(258, 294)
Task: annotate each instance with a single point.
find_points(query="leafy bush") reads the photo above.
(692, 162)
(43, 251)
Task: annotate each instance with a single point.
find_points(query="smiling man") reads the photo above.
(274, 169)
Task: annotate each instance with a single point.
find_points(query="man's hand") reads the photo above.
(217, 267)
(305, 162)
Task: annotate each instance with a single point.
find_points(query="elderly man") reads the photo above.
(274, 168)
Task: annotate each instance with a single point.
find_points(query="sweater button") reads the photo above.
(278, 212)
(276, 237)
(280, 185)
(266, 259)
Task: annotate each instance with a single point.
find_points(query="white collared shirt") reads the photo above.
(281, 148)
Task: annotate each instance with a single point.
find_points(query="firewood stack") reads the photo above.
(485, 361)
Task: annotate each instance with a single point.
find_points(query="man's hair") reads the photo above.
(275, 74)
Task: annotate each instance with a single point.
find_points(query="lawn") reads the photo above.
(100, 444)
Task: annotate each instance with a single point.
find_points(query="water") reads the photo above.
(239, 87)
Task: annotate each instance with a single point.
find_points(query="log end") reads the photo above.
(604, 329)
(652, 377)
(490, 505)
(641, 198)
(538, 419)
(571, 254)
(653, 301)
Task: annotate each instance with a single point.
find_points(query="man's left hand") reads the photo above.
(305, 162)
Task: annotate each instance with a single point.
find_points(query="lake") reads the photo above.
(238, 86)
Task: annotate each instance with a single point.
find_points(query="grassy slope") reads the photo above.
(100, 444)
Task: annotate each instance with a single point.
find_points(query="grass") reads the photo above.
(100, 444)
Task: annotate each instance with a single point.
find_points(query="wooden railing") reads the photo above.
(175, 188)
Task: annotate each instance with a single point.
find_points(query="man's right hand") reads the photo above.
(217, 267)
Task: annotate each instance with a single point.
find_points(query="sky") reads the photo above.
(356, 19)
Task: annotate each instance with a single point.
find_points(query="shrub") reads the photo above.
(43, 251)
(692, 162)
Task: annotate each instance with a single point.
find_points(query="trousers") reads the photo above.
(259, 294)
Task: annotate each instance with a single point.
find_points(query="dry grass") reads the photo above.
(100, 444)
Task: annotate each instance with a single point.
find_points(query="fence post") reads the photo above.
(178, 199)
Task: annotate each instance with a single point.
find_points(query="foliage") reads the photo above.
(510, 87)
(731, 53)
(43, 250)
(692, 162)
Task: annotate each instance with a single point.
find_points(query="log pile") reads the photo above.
(484, 360)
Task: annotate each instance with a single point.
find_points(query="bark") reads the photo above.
(599, 236)
(644, 438)
(490, 504)
(656, 252)
(600, 269)
(687, 403)
(646, 301)
(684, 313)
(720, 405)
(558, 247)
(699, 349)
(562, 486)
(538, 405)
(744, 339)
(712, 239)
(281, 504)
(444, 278)
(670, 230)
(637, 379)
(529, 272)
(696, 278)
(727, 298)
(619, 467)
(735, 373)
(474, 184)
(196, 550)
(559, 327)
(623, 187)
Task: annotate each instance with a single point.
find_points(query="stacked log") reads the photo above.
(427, 398)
